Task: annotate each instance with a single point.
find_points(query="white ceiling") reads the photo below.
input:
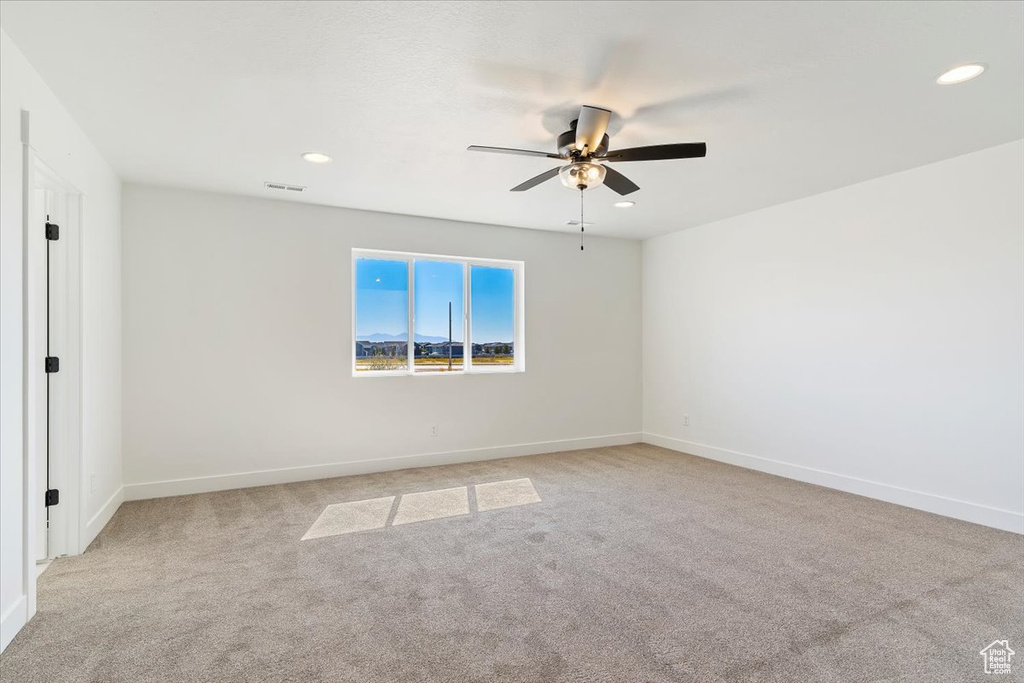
(792, 98)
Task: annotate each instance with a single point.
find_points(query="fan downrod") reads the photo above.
(567, 143)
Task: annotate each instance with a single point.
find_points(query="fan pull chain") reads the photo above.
(581, 219)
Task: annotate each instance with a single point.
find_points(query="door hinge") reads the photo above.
(52, 364)
(52, 231)
(52, 497)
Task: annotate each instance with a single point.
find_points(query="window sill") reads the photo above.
(453, 373)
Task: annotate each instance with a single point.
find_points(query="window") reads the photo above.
(430, 315)
(491, 292)
(437, 312)
(382, 315)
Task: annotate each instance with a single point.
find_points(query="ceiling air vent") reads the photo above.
(284, 186)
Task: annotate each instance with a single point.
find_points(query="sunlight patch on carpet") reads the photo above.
(345, 518)
(505, 494)
(420, 507)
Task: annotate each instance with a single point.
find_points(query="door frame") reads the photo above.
(66, 466)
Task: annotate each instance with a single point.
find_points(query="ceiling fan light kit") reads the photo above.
(585, 147)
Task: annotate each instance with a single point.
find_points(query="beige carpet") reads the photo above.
(624, 564)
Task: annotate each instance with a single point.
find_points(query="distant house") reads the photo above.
(440, 349)
(493, 349)
(366, 349)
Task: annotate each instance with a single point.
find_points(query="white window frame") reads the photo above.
(518, 269)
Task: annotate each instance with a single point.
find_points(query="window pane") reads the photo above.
(382, 315)
(493, 314)
(438, 316)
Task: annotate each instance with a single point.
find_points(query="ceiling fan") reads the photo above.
(585, 147)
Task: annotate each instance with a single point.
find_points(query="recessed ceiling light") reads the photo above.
(959, 74)
(316, 158)
(623, 205)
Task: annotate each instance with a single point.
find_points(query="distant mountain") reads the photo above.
(384, 337)
(380, 336)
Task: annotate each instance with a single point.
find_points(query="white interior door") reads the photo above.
(52, 208)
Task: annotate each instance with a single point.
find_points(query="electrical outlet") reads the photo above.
(686, 420)
(92, 482)
(433, 430)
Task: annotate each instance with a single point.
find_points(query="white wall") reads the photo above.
(237, 315)
(64, 147)
(870, 338)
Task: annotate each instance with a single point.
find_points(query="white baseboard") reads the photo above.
(1006, 520)
(223, 482)
(95, 525)
(12, 620)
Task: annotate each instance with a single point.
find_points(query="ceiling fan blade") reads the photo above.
(591, 127)
(536, 180)
(619, 182)
(509, 150)
(683, 150)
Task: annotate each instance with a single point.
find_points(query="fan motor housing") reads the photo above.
(567, 142)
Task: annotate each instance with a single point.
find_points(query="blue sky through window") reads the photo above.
(382, 300)
(437, 283)
(492, 304)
